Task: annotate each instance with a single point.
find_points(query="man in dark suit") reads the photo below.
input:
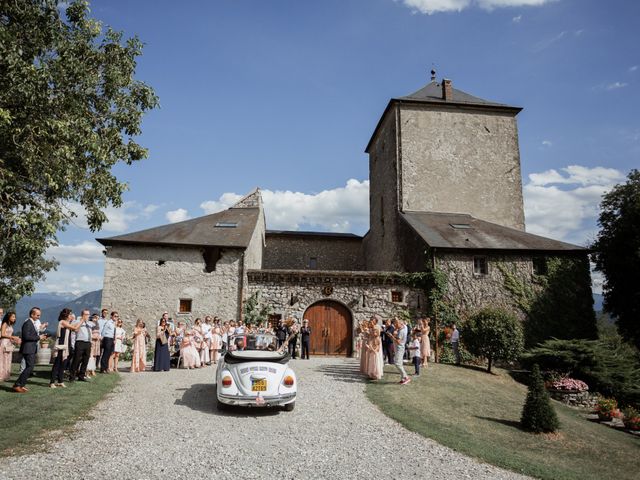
(305, 336)
(387, 341)
(281, 333)
(28, 348)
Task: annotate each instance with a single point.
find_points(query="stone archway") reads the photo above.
(331, 326)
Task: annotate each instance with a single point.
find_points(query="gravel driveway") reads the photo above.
(167, 425)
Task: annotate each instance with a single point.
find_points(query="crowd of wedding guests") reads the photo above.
(390, 341)
(92, 343)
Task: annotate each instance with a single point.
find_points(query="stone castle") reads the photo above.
(445, 191)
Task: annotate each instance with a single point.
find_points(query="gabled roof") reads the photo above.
(462, 231)
(431, 93)
(216, 230)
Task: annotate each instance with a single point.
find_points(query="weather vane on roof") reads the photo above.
(433, 72)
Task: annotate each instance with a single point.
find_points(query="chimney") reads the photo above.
(447, 90)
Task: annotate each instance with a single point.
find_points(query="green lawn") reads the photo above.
(27, 417)
(478, 414)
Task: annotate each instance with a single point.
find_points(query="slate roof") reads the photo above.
(200, 232)
(432, 93)
(437, 230)
(298, 233)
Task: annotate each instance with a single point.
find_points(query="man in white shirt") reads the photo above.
(400, 339)
(455, 343)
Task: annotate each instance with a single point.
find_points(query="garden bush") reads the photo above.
(494, 334)
(538, 415)
(609, 366)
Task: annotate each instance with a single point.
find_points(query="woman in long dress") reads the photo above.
(190, 356)
(120, 345)
(216, 342)
(161, 358)
(7, 342)
(363, 348)
(139, 352)
(425, 343)
(374, 347)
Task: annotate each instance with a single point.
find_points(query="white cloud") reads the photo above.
(178, 215)
(616, 85)
(517, 19)
(577, 175)
(82, 253)
(567, 213)
(65, 280)
(430, 7)
(547, 143)
(633, 68)
(118, 219)
(150, 209)
(340, 209)
(225, 201)
(546, 43)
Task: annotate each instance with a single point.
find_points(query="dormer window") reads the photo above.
(226, 224)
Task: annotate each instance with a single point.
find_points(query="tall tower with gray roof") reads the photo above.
(441, 150)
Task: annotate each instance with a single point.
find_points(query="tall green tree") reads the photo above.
(70, 109)
(616, 253)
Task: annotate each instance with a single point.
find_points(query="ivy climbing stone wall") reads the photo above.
(468, 292)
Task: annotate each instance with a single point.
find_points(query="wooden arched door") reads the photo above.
(331, 328)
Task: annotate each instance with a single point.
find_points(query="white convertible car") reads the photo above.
(254, 373)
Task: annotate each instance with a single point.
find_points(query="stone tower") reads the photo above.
(441, 150)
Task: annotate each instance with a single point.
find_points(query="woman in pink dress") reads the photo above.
(216, 342)
(425, 343)
(139, 348)
(374, 347)
(7, 342)
(189, 352)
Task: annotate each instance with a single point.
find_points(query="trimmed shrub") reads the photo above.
(538, 415)
(495, 334)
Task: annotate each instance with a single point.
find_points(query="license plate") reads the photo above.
(259, 385)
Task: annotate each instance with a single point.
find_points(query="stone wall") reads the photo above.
(469, 292)
(291, 292)
(143, 281)
(381, 243)
(461, 160)
(290, 252)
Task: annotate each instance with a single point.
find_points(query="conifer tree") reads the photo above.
(538, 415)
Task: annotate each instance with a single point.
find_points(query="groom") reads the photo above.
(28, 348)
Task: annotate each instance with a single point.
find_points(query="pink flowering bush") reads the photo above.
(566, 383)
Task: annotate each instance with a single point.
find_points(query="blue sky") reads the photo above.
(285, 95)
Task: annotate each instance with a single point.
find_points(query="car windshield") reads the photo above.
(253, 341)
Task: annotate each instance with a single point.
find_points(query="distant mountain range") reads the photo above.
(52, 303)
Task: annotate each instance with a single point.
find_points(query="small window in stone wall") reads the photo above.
(313, 263)
(540, 266)
(161, 262)
(396, 296)
(480, 266)
(185, 305)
